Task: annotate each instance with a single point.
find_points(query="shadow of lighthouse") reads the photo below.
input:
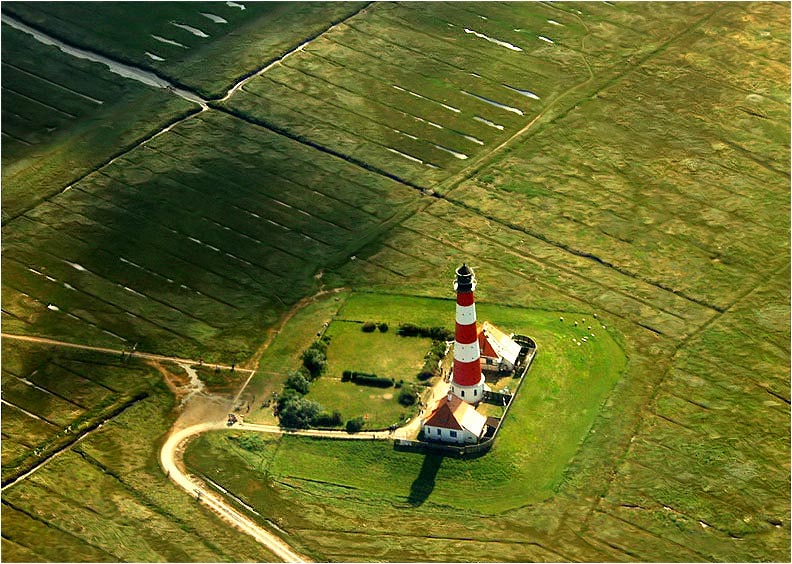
(424, 484)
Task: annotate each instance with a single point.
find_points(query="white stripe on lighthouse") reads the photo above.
(466, 315)
(466, 352)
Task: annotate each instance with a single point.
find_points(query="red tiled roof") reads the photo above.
(443, 416)
(456, 414)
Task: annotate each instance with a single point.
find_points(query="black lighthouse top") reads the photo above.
(465, 280)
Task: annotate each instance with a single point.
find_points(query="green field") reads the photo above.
(385, 354)
(64, 116)
(625, 159)
(105, 497)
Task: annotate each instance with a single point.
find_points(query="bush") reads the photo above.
(314, 360)
(354, 425)
(369, 326)
(436, 333)
(298, 412)
(285, 397)
(346, 375)
(297, 382)
(383, 327)
(424, 375)
(365, 379)
(406, 397)
(325, 419)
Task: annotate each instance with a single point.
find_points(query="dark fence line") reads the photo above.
(527, 353)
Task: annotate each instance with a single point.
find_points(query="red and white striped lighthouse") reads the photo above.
(467, 381)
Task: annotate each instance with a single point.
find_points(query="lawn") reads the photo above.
(385, 354)
(550, 418)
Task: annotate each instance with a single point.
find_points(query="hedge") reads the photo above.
(435, 333)
(365, 379)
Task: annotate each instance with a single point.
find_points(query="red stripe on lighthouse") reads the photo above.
(467, 373)
(467, 357)
(464, 298)
(466, 333)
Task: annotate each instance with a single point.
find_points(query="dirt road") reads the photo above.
(171, 461)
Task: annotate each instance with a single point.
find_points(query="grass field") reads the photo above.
(154, 249)
(103, 498)
(195, 44)
(64, 116)
(385, 354)
(624, 159)
(552, 414)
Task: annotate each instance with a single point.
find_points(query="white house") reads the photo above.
(454, 421)
(499, 352)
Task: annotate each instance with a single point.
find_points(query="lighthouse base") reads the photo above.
(471, 394)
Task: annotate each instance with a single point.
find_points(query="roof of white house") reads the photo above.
(452, 412)
(495, 343)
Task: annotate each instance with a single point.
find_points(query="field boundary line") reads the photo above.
(108, 350)
(95, 426)
(319, 147)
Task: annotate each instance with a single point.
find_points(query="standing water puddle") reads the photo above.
(460, 156)
(488, 122)
(115, 67)
(216, 19)
(169, 41)
(526, 93)
(493, 103)
(194, 30)
(411, 93)
(411, 158)
(506, 44)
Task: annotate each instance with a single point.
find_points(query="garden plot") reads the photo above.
(182, 248)
(192, 44)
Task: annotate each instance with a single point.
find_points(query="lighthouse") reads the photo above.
(467, 381)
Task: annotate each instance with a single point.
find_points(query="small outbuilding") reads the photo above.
(499, 352)
(454, 421)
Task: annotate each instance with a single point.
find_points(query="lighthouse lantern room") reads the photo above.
(467, 381)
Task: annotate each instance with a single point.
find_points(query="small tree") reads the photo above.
(369, 326)
(354, 425)
(406, 397)
(299, 413)
(383, 327)
(314, 361)
(297, 382)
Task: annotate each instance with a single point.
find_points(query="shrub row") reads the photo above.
(366, 379)
(432, 361)
(369, 326)
(435, 333)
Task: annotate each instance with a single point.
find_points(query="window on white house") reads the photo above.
(463, 393)
(453, 433)
(439, 431)
(475, 392)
